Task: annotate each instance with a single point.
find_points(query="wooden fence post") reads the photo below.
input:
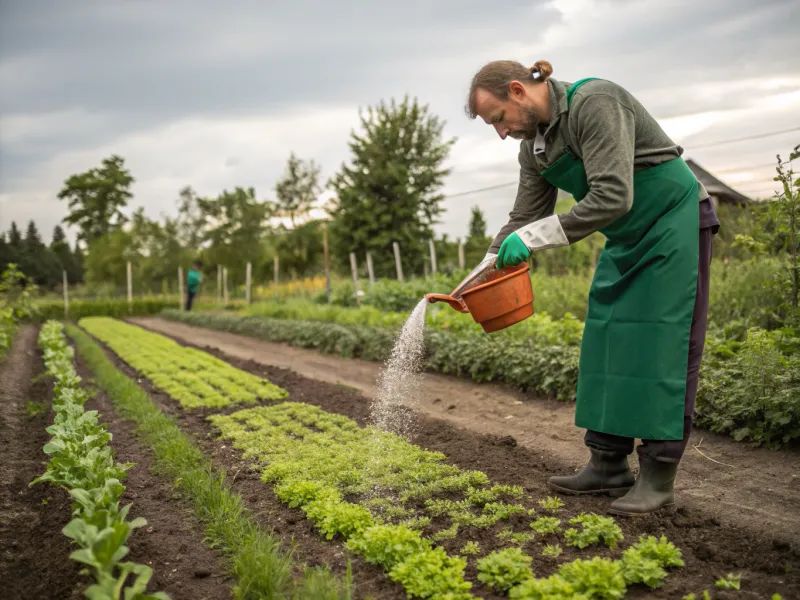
(249, 282)
(327, 262)
(370, 269)
(66, 297)
(180, 288)
(277, 270)
(219, 284)
(433, 255)
(225, 285)
(354, 269)
(130, 287)
(397, 263)
(461, 255)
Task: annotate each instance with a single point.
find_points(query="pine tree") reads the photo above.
(477, 243)
(38, 263)
(477, 224)
(63, 254)
(390, 191)
(5, 257)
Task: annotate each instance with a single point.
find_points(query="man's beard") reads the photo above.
(530, 122)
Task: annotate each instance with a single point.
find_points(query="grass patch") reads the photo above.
(261, 568)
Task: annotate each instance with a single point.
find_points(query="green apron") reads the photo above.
(635, 347)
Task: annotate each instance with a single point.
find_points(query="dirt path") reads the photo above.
(759, 489)
(34, 554)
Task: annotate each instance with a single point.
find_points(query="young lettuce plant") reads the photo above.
(503, 569)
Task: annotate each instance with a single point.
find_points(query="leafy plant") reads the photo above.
(552, 550)
(546, 525)
(387, 545)
(661, 550)
(432, 574)
(730, 582)
(503, 569)
(470, 549)
(594, 529)
(554, 586)
(595, 578)
(513, 537)
(82, 462)
(551, 504)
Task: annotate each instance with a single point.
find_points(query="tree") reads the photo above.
(63, 254)
(390, 192)
(298, 189)
(96, 198)
(477, 242)
(191, 222)
(36, 260)
(477, 224)
(234, 224)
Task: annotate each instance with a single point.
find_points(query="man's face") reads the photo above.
(514, 117)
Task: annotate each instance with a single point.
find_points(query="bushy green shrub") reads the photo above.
(751, 389)
(549, 370)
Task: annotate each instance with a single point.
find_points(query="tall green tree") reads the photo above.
(59, 246)
(390, 191)
(477, 243)
(14, 244)
(191, 222)
(36, 260)
(234, 224)
(298, 189)
(96, 198)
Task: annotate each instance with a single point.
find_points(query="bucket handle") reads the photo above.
(454, 303)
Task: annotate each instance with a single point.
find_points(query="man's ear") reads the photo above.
(517, 90)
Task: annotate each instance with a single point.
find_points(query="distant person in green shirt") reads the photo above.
(192, 281)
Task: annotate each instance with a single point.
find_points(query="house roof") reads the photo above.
(715, 187)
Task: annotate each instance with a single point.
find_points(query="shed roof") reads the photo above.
(715, 187)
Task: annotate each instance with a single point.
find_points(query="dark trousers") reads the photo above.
(672, 450)
(189, 299)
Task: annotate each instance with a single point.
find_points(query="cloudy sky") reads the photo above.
(216, 94)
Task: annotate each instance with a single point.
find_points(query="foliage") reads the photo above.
(594, 529)
(552, 550)
(595, 578)
(432, 574)
(503, 569)
(96, 198)
(470, 549)
(82, 462)
(554, 586)
(751, 389)
(729, 582)
(546, 525)
(297, 190)
(117, 308)
(387, 545)
(547, 369)
(551, 504)
(192, 377)
(259, 566)
(15, 304)
(390, 191)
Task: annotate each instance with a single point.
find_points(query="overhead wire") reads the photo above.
(704, 146)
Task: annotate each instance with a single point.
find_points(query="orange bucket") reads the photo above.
(505, 299)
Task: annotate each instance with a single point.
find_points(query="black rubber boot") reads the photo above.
(654, 489)
(606, 473)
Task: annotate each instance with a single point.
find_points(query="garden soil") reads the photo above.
(713, 544)
(34, 554)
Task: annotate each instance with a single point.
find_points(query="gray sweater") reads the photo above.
(613, 134)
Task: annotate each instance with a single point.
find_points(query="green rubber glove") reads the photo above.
(512, 252)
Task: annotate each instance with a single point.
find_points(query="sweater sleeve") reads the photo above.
(605, 131)
(536, 199)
